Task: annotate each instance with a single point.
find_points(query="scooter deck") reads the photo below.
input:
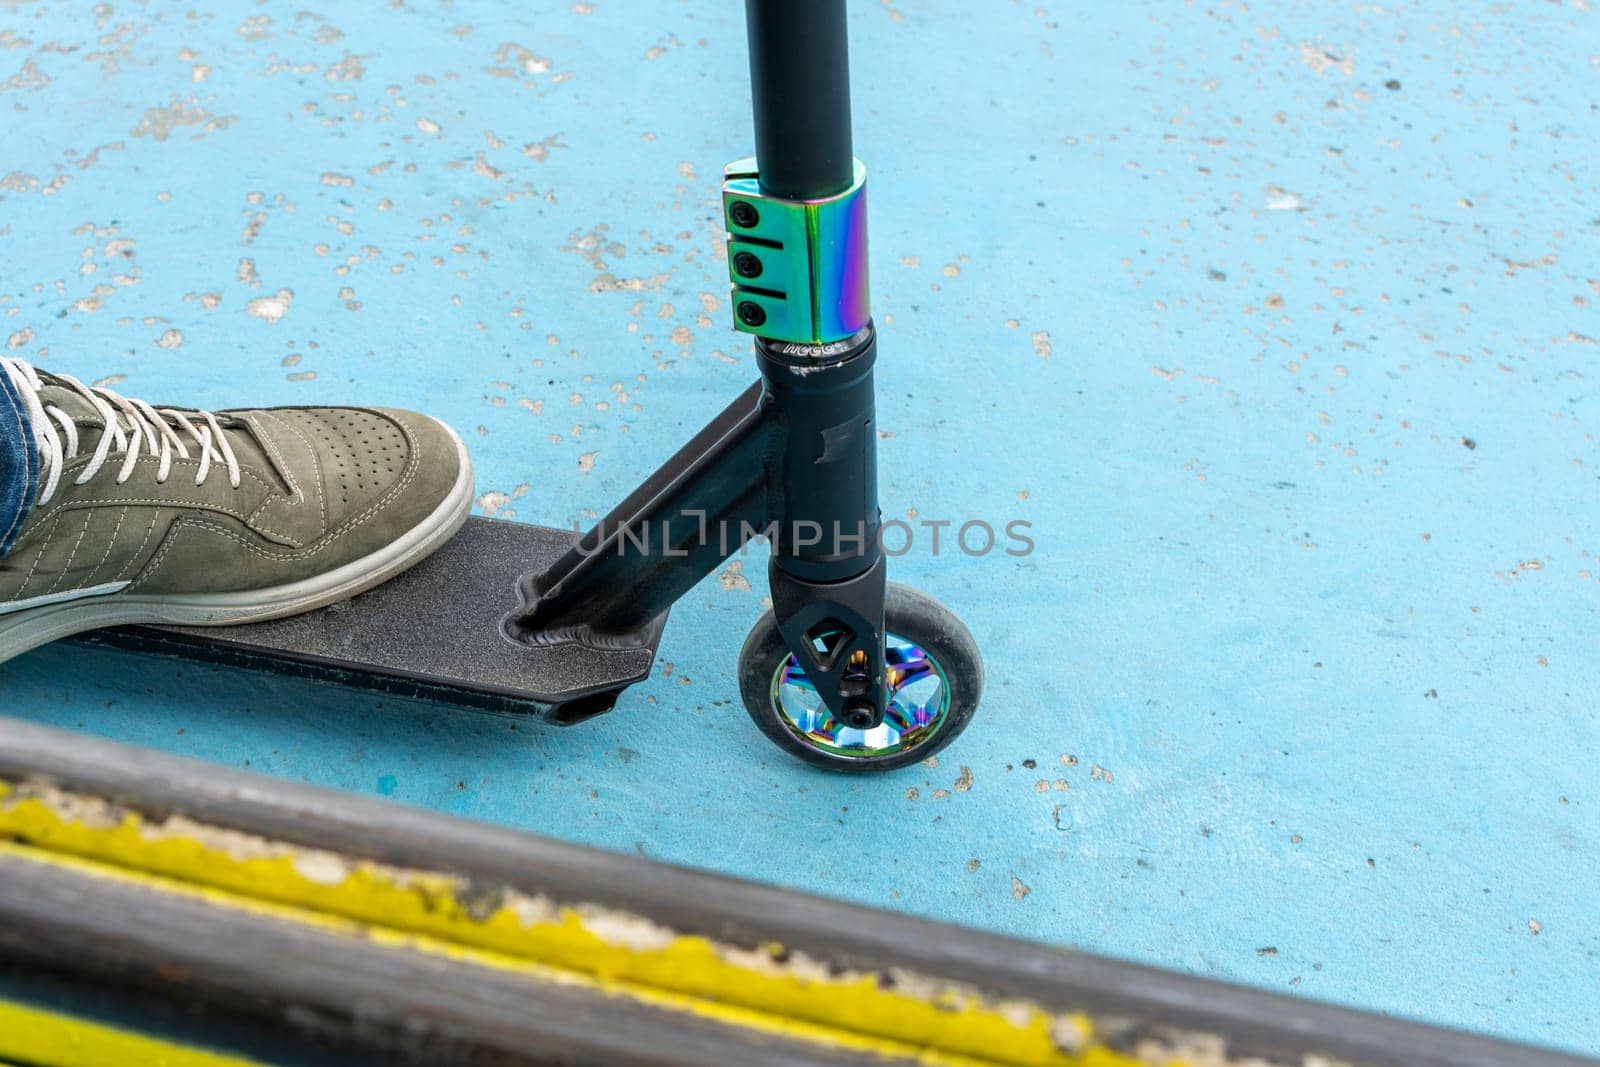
(431, 633)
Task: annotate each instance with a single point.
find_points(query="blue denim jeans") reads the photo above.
(19, 463)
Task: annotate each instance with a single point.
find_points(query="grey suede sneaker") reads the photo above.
(170, 515)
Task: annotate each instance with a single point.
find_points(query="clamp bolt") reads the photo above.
(751, 314)
(743, 214)
(747, 265)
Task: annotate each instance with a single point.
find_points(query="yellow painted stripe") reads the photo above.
(532, 971)
(612, 952)
(49, 1039)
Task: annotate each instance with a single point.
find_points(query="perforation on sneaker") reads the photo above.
(363, 454)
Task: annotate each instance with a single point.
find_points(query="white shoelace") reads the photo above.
(131, 426)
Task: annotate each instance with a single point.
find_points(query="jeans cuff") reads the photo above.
(19, 469)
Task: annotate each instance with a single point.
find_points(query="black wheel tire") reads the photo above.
(907, 614)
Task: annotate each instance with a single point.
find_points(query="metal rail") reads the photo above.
(228, 918)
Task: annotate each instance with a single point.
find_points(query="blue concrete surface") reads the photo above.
(1277, 321)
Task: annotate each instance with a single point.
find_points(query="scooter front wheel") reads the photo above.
(935, 679)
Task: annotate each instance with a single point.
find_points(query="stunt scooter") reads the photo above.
(848, 670)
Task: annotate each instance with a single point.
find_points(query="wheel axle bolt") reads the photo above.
(751, 314)
(747, 265)
(743, 214)
(858, 715)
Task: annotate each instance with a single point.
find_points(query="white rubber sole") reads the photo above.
(33, 627)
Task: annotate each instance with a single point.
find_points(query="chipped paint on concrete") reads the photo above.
(271, 308)
(159, 123)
